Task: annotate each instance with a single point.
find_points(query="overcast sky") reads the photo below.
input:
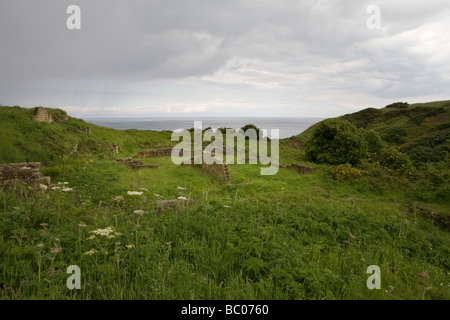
(243, 58)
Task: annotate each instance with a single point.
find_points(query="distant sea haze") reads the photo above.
(288, 127)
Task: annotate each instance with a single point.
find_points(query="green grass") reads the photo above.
(286, 236)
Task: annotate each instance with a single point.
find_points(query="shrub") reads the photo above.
(398, 105)
(374, 142)
(392, 158)
(336, 141)
(396, 134)
(345, 172)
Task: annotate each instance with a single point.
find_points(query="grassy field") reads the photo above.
(286, 236)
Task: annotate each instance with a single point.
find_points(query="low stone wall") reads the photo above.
(136, 164)
(301, 168)
(27, 172)
(219, 170)
(155, 153)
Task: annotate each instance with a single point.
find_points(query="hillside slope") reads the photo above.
(421, 130)
(24, 139)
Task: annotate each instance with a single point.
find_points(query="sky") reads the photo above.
(210, 58)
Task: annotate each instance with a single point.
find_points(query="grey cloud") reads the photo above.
(292, 51)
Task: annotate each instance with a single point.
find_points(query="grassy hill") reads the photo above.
(421, 130)
(28, 140)
(286, 236)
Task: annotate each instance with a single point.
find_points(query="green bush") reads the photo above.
(396, 134)
(392, 158)
(374, 142)
(336, 141)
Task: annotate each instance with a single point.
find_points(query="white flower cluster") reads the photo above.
(90, 252)
(65, 189)
(103, 232)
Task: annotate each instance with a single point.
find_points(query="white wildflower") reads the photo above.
(56, 188)
(143, 189)
(158, 196)
(103, 232)
(43, 187)
(90, 252)
(182, 198)
(63, 183)
(66, 189)
(181, 188)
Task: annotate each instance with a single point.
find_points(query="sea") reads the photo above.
(287, 127)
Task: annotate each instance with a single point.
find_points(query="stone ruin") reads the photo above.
(115, 150)
(42, 115)
(155, 153)
(12, 174)
(136, 164)
(301, 168)
(219, 170)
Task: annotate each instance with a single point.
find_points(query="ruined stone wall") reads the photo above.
(115, 150)
(155, 153)
(301, 168)
(219, 170)
(29, 172)
(136, 164)
(41, 115)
